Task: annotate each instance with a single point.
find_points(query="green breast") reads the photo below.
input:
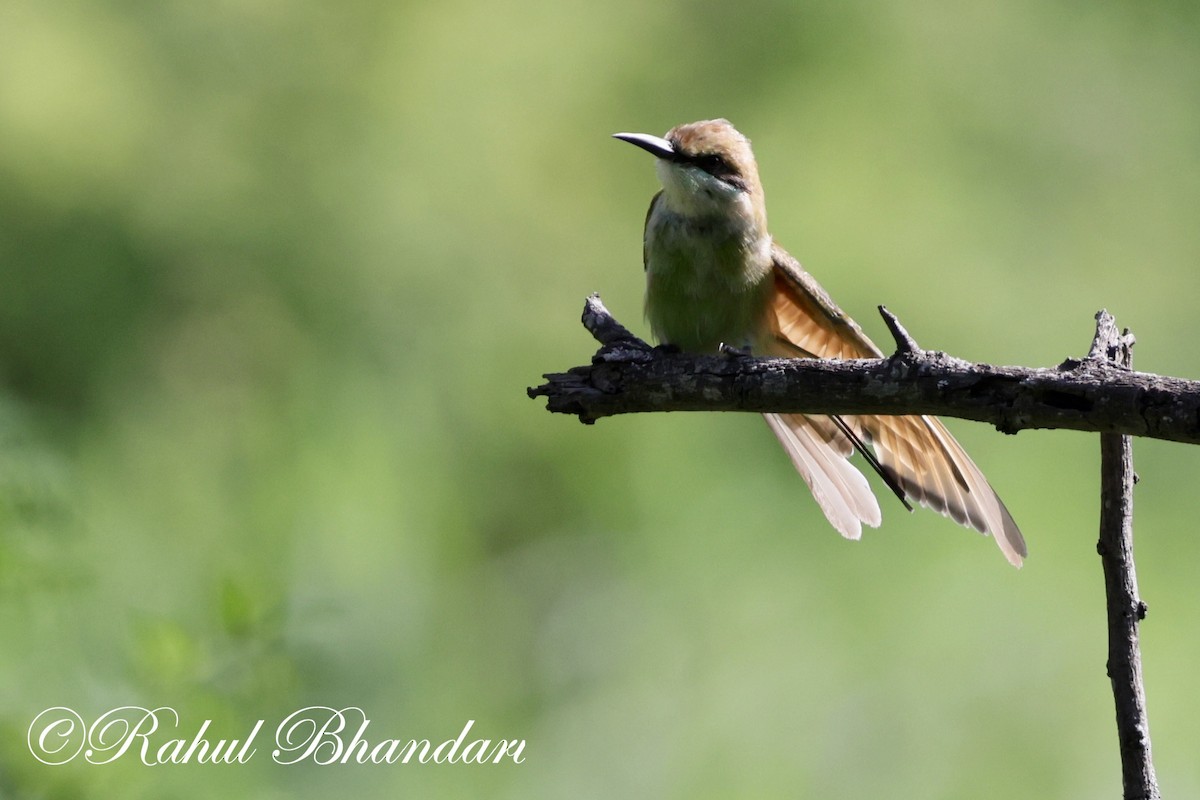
(704, 286)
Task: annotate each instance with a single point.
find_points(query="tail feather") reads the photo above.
(841, 491)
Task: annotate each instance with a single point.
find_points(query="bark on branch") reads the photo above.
(627, 375)
(1099, 393)
(1125, 608)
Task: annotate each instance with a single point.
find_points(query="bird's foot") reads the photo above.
(734, 352)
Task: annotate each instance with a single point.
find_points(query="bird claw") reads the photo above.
(734, 352)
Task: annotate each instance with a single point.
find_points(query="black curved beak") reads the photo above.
(655, 145)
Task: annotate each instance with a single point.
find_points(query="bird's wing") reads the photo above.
(808, 319)
(921, 456)
(646, 226)
(933, 469)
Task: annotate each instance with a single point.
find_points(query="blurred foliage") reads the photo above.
(275, 276)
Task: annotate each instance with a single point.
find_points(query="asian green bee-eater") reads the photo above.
(715, 277)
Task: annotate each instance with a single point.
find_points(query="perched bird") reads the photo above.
(715, 277)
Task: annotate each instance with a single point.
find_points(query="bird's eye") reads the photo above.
(716, 165)
(713, 164)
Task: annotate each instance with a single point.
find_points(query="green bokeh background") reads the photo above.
(273, 280)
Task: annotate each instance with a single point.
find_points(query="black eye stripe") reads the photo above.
(713, 164)
(735, 181)
(716, 165)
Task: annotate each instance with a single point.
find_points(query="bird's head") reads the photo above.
(706, 168)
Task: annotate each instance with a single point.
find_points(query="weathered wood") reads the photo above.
(628, 376)
(1099, 393)
(1125, 607)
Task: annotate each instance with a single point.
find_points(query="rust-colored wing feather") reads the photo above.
(918, 451)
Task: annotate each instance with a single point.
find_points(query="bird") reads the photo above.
(716, 280)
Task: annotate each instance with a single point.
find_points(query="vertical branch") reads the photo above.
(1125, 608)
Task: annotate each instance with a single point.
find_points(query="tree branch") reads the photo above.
(1099, 393)
(1091, 394)
(1125, 608)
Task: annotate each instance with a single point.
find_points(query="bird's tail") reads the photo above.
(820, 453)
